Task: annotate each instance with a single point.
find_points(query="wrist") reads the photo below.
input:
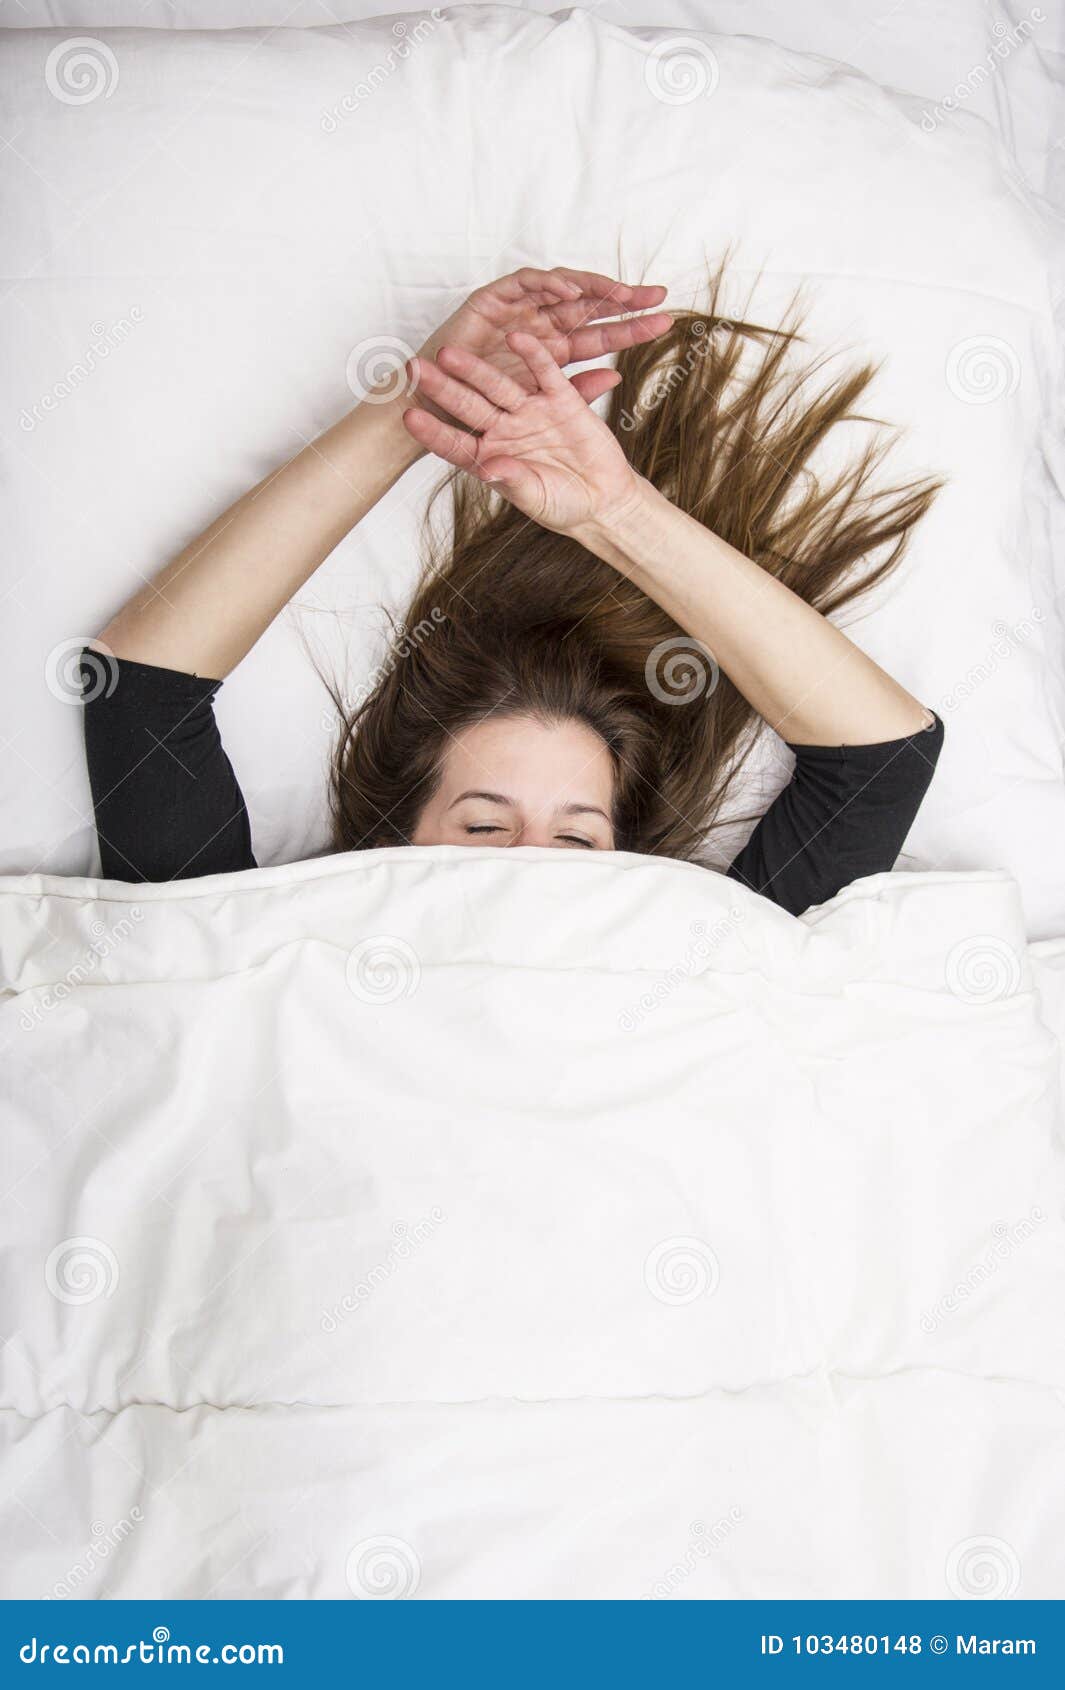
(366, 453)
(614, 532)
(383, 420)
(370, 444)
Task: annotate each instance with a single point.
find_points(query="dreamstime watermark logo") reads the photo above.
(1009, 637)
(405, 641)
(681, 69)
(982, 369)
(983, 969)
(64, 665)
(383, 1568)
(104, 940)
(142, 1653)
(1007, 39)
(407, 1241)
(987, 1567)
(681, 669)
(1007, 1239)
(706, 939)
(107, 338)
(80, 70)
(704, 1542)
(383, 969)
(105, 1540)
(81, 1270)
(681, 1270)
(377, 369)
(407, 38)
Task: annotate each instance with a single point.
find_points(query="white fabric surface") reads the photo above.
(395, 1286)
(228, 252)
(1004, 64)
(534, 1220)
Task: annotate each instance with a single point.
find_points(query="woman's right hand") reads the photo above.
(541, 444)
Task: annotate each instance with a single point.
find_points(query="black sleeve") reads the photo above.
(845, 814)
(167, 802)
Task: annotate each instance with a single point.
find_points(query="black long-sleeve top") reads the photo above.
(168, 805)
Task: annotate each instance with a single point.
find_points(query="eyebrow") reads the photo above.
(510, 803)
(584, 810)
(489, 797)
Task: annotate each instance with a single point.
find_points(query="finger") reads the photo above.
(556, 281)
(462, 402)
(592, 384)
(598, 338)
(516, 480)
(637, 297)
(440, 437)
(529, 280)
(644, 298)
(503, 392)
(591, 281)
(539, 362)
(577, 313)
(545, 303)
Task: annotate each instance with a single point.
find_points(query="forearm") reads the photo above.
(207, 608)
(802, 674)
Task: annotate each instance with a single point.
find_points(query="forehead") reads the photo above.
(520, 755)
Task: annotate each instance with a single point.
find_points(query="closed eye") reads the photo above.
(487, 827)
(571, 839)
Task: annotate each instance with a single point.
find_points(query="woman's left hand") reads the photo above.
(540, 441)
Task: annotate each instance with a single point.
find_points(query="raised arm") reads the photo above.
(557, 461)
(799, 671)
(208, 607)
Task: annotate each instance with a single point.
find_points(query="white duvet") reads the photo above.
(454, 1223)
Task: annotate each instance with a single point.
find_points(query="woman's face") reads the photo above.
(513, 780)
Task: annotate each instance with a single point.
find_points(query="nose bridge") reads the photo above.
(534, 828)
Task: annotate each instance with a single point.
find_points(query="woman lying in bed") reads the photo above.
(617, 600)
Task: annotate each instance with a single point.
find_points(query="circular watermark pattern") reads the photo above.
(383, 1569)
(680, 670)
(79, 1270)
(65, 663)
(987, 1567)
(377, 370)
(983, 369)
(160, 1634)
(80, 70)
(681, 69)
(383, 969)
(983, 969)
(680, 1270)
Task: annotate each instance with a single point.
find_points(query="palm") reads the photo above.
(541, 442)
(574, 464)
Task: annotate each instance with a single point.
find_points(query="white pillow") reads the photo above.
(200, 246)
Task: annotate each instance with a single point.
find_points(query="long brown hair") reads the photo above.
(512, 618)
